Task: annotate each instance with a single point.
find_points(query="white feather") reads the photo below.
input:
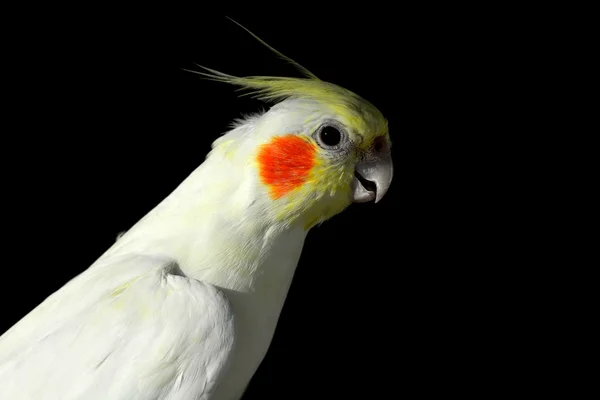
(121, 331)
(148, 320)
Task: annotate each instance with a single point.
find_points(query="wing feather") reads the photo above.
(132, 327)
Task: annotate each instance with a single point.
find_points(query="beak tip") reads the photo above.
(380, 194)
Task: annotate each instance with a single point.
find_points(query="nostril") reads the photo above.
(379, 144)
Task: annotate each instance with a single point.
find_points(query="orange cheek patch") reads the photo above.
(285, 163)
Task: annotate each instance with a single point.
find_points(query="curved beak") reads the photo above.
(372, 179)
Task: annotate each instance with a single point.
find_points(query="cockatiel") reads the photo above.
(184, 305)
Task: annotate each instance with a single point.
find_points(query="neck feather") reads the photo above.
(220, 227)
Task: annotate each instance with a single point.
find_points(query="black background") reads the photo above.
(422, 294)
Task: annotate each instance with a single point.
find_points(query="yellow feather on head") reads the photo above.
(360, 114)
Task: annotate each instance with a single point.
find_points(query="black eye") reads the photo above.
(330, 136)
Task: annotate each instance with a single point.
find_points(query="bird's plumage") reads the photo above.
(119, 331)
(185, 303)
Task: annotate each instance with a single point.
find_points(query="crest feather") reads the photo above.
(304, 71)
(272, 88)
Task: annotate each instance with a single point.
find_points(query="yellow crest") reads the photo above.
(360, 113)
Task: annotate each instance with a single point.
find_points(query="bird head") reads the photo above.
(316, 151)
(320, 148)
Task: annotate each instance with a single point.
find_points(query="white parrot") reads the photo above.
(184, 305)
